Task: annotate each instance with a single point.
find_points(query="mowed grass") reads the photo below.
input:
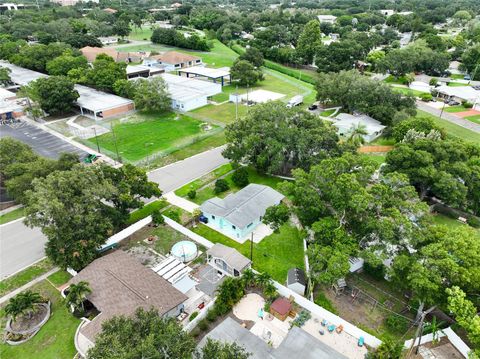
(146, 210)
(275, 254)
(25, 276)
(222, 114)
(407, 91)
(55, 340)
(202, 181)
(59, 278)
(145, 134)
(453, 129)
(453, 109)
(144, 33)
(474, 118)
(440, 219)
(12, 215)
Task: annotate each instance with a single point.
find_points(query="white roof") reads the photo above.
(182, 88)
(463, 92)
(326, 17)
(5, 94)
(261, 96)
(90, 98)
(207, 71)
(133, 69)
(346, 121)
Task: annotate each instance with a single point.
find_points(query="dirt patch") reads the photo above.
(145, 255)
(24, 322)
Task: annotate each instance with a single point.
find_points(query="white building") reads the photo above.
(11, 6)
(108, 40)
(327, 18)
(72, 2)
(346, 123)
(187, 93)
(460, 94)
(386, 12)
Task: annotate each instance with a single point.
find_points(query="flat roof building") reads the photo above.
(327, 18)
(93, 103)
(172, 60)
(346, 122)
(460, 93)
(208, 73)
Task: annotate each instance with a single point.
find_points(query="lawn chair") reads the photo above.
(339, 329)
(321, 331)
(331, 328)
(323, 323)
(361, 341)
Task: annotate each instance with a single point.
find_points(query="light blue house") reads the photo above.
(239, 213)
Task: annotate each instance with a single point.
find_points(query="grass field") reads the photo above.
(12, 215)
(453, 109)
(327, 112)
(474, 118)
(379, 159)
(219, 55)
(146, 210)
(146, 134)
(145, 33)
(220, 114)
(441, 219)
(452, 129)
(275, 254)
(25, 276)
(407, 91)
(59, 278)
(202, 181)
(457, 84)
(55, 338)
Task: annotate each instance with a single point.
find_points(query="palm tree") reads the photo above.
(356, 134)
(248, 277)
(263, 279)
(434, 328)
(270, 290)
(23, 303)
(77, 293)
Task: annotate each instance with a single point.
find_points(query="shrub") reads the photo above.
(221, 186)
(192, 194)
(193, 316)
(474, 222)
(396, 323)
(240, 177)
(467, 104)
(433, 81)
(426, 97)
(325, 303)
(203, 325)
(157, 217)
(375, 271)
(195, 332)
(211, 315)
(174, 214)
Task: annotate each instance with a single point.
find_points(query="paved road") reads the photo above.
(180, 173)
(449, 117)
(20, 246)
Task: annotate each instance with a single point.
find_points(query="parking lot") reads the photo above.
(42, 142)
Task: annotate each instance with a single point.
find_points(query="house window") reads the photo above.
(213, 217)
(233, 227)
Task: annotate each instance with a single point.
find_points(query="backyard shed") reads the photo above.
(296, 280)
(280, 308)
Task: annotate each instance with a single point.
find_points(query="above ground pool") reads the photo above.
(184, 251)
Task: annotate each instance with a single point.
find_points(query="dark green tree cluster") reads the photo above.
(173, 37)
(274, 139)
(245, 74)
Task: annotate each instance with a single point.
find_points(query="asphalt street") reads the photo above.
(20, 246)
(180, 173)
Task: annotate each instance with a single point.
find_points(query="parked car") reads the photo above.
(467, 77)
(91, 158)
(313, 107)
(203, 219)
(295, 101)
(453, 103)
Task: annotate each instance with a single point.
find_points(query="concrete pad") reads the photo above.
(183, 203)
(248, 307)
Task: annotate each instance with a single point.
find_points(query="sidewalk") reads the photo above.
(469, 125)
(183, 203)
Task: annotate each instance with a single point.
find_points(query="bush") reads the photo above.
(433, 81)
(467, 104)
(221, 186)
(193, 316)
(203, 325)
(426, 97)
(211, 315)
(240, 177)
(174, 214)
(375, 271)
(192, 194)
(396, 323)
(474, 222)
(157, 217)
(195, 332)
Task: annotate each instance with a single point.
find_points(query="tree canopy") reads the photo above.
(55, 94)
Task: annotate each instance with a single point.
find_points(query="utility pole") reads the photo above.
(251, 247)
(419, 333)
(96, 139)
(443, 107)
(115, 141)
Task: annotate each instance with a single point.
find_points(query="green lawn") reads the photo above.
(379, 159)
(441, 219)
(55, 338)
(146, 210)
(25, 276)
(452, 129)
(219, 56)
(145, 33)
(253, 176)
(12, 215)
(275, 254)
(383, 141)
(150, 134)
(167, 238)
(220, 114)
(407, 91)
(474, 118)
(199, 182)
(327, 112)
(457, 84)
(59, 278)
(457, 76)
(454, 109)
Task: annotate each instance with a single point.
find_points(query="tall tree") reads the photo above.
(254, 56)
(275, 139)
(54, 94)
(309, 41)
(214, 349)
(245, 73)
(338, 56)
(151, 95)
(105, 72)
(61, 65)
(77, 293)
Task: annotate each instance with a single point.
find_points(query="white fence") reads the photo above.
(456, 341)
(192, 235)
(201, 314)
(117, 237)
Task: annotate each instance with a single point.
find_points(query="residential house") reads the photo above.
(120, 285)
(227, 260)
(108, 40)
(172, 60)
(296, 280)
(238, 214)
(72, 2)
(91, 53)
(346, 123)
(460, 94)
(11, 7)
(327, 18)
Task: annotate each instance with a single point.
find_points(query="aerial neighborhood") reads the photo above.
(231, 179)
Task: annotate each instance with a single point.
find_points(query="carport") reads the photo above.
(208, 73)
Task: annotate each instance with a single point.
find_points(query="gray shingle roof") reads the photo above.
(245, 206)
(230, 255)
(296, 275)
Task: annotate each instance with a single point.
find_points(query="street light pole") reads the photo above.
(251, 247)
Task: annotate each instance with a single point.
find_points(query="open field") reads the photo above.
(12, 215)
(275, 254)
(55, 338)
(219, 114)
(407, 91)
(25, 276)
(453, 109)
(141, 135)
(474, 118)
(440, 219)
(453, 129)
(144, 33)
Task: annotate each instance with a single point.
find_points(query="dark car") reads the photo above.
(453, 103)
(312, 107)
(203, 219)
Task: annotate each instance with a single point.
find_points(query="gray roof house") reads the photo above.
(227, 260)
(346, 122)
(239, 213)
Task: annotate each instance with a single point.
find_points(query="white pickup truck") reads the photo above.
(295, 101)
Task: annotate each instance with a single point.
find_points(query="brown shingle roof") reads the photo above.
(120, 285)
(91, 53)
(174, 57)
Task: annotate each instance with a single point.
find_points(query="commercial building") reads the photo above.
(9, 106)
(214, 75)
(11, 7)
(92, 103)
(346, 123)
(91, 54)
(72, 2)
(120, 285)
(172, 60)
(238, 214)
(188, 94)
